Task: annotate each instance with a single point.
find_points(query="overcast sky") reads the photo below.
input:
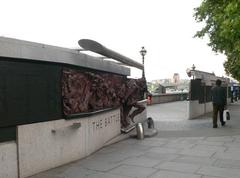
(165, 27)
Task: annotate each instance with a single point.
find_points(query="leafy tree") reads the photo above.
(222, 24)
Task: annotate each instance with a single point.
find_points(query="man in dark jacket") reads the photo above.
(219, 102)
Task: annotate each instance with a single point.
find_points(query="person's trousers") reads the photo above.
(217, 108)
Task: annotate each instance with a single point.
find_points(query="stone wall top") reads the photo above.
(19, 49)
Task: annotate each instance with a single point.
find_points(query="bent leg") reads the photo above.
(124, 113)
(215, 114)
(221, 109)
(140, 108)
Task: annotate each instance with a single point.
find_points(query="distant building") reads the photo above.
(169, 85)
(160, 89)
(176, 78)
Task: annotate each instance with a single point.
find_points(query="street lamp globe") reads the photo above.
(143, 51)
(193, 67)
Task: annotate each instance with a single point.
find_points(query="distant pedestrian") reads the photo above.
(149, 98)
(219, 102)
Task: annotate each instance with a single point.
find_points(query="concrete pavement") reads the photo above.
(171, 121)
(182, 149)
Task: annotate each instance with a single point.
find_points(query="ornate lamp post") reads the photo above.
(143, 52)
(193, 68)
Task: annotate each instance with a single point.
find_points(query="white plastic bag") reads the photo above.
(226, 115)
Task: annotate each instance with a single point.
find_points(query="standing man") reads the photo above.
(219, 102)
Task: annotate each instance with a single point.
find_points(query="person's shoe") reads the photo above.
(223, 123)
(215, 126)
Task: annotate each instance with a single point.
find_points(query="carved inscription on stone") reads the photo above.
(106, 122)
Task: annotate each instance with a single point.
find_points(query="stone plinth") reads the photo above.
(46, 145)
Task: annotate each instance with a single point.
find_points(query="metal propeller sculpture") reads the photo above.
(100, 49)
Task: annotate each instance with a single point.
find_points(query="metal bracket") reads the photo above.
(75, 125)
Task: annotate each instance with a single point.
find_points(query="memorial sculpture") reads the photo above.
(131, 92)
(86, 91)
(89, 91)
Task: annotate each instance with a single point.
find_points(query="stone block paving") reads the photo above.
(171, 121)
(184, 151)
(189, 157)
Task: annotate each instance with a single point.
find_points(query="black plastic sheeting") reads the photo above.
(29, 92)
(7, 134)
(201, 92)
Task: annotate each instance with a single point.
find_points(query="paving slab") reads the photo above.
(131, 146)
(220, 139)
(188, 140)
(211, 177)
(170, 174)
(197, 152)
(69, 172)
(105, 175)
(232, 145)
(133, 171)
(107, 150)
(236, 138)
(98, 165)
(227, 155)
(233, 150)
(141, 161)
(162, 157)
(220, 172)
(180, 167)
(111, 158)
(151, 143)
(227, 163)
(210, 147)
(46, 175)
(195, 160)
(164, 140)
(178, 145)
(211, 143)
(164, 150)
(76, 172)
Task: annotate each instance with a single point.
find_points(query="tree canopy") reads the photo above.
(221, 19)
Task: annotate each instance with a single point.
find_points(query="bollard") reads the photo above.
(140, 131)
(150, 123)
